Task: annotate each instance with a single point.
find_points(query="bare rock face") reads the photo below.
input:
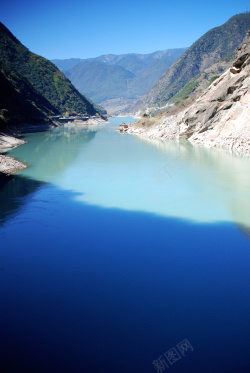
(220, 116)
(9, 165)
(123, 127)
(8, 142)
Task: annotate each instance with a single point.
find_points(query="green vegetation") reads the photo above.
(185, 92)
(99, 80)
(35, 84)
(110, 76)
(213, 79)
(19, 101)
(218, 43)
(228, 57)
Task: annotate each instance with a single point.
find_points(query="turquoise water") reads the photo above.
(115, 249)
(171, 179)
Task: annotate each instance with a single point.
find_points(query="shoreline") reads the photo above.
(9, 140)
(9, 165)
(163, 132)
(218, 118)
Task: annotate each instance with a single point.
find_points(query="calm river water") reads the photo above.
(124, 255)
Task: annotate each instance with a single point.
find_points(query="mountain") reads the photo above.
(99, 80)
(201, 81)
(110, 77)
(209, 49)
(64, 65)
(218, 118)
(33, 88)
(19, 101)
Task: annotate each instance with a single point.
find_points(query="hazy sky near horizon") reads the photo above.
(64, 29)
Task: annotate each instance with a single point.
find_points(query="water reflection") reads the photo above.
(199, 184)
(50, 153)
(79, 296)
(222, 176)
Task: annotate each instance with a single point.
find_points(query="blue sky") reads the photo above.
(77, 28)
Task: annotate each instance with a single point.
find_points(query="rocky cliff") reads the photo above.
(219, 117)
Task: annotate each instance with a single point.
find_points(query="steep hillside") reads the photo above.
(201, 81)
(31, 86)
(209, 49)
(123, 77)
(20, 102)
(219, 117)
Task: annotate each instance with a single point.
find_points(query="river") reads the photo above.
(124, 255)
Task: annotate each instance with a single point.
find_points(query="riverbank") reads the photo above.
(9, 165)
(78, 122)
(8, 142)
(218, 118)
(229, 134)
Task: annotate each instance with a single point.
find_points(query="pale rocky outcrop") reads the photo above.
(123, 127)
(8, 142)
(9, 165)
(219, 117)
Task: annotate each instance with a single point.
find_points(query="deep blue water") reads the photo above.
(96, 289)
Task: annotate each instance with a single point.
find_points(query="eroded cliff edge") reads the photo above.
(219, 117)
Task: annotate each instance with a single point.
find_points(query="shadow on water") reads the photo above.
(89, 289)
(44, 152)
(14, 192)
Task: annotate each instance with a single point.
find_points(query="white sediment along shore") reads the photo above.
(218, 118)
(83, 123)
(8, 142)
(9, 165)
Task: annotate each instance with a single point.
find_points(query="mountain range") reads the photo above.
(110, 77)
(33, 88)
